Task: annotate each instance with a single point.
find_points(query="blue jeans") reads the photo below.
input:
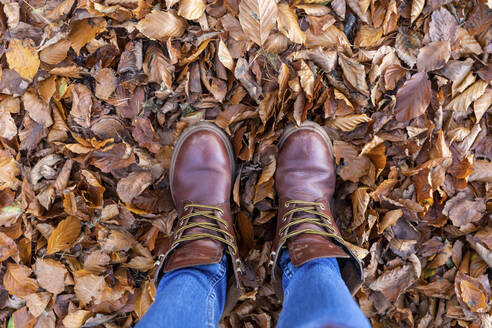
(315, 295)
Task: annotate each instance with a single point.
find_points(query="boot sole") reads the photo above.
(207, 126)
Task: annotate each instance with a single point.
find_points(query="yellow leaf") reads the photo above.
(258, 18)
(287, 24)
(64, 235)
(23, 58)
(191, 9)
(76, 319)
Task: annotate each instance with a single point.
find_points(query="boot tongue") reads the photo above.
(306, 247)
(196, 252)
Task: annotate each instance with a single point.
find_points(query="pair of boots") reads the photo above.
(201, 178)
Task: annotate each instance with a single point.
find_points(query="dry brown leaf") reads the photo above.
(55, 53)
(482, 104)
(391, 18)
(76, 318)
(8, 247)
(354, 167)
(276, 43)
(68, 71)
(258, 18)
(407, 45)
(413, 97)
(368, 36)
(433, 56)
(443, 26)
(225, 56)
(23, 58)
(360, 201)
(50, 275)
(306, 76)
(392, 75)
(133, 185)
(482, 171)
(17, 282)
(145, 297)
(354, 73)
(152, 25)
(106, 82)
(8, 172)
(331, 37)
(317, 10)
(65, 233)
(191, 9)
(8, 129)
(89, 287)
(461, 102)
(389, 220)
(37, 109)
(349, 122)
(288, 25)
(61, 10)
(417, 6)
(118, 241)
(37, 302)
(81, 105)
(85, 30)
(157, 67)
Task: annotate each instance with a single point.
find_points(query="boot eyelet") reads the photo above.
(322, 206)
(286, 205)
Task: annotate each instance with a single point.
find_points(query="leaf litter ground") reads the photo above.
(93, 95)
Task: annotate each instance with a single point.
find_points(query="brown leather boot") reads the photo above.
(201, 175)
(305, 183)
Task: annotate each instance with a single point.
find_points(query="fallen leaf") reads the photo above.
(65, 233)
(81, 105)
(37, 109)
(76, 318)
(23, 58)
(133, 185)
(258, 18)
(354, 73)
(306, 76)
(153, 28)
(85, 30)
(50, 275)
(288, 25)
(461, 102)
(349, 122)
(390, 218)
(360, 201)
(368, 36)
(37, 302)
(417, 6)
(413, 97)
(106, 82)
(17, 282)
(191, 9)
(433, 56)
(55, 53)
(8, 247)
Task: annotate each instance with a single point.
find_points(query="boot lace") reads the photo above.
(208, 212)
(318, 219)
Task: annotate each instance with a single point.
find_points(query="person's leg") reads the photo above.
(315, 295)
(189, 297)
